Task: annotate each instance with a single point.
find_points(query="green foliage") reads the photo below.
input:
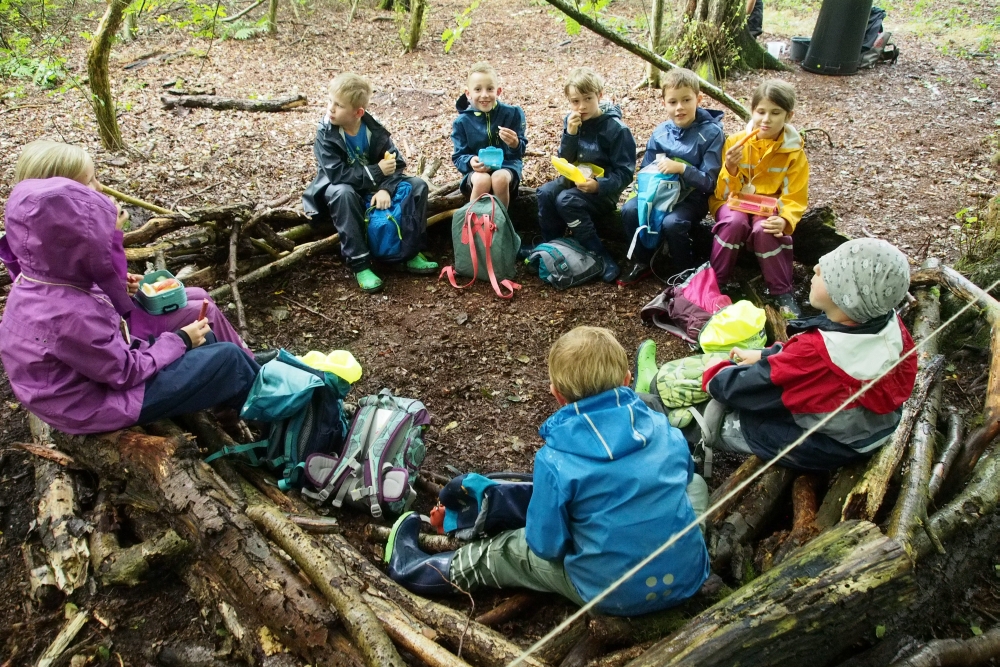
(978, 232)
(462, 21)
(242, 30)
(20, 58)
(200, 18)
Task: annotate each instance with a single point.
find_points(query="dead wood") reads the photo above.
(585, 650)
(283, 103)
(747, 468)
(515, 605)
(445, 202)
(45, 452)
(41, 581)
(450, 186)
(748, 517)
(949, 453)
(171, 220)
(844, 480)
(332, 580)
(273, 238)
(315, 524)
(621, 657)
(804, 509)
(234, 289)
(278, 266)
(807, 610)
(431, 543)
(428, 170)
(135, 201)
(955, 652)
(75, 620)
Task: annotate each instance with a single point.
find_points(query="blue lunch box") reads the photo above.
(164, 302)
(491, 156)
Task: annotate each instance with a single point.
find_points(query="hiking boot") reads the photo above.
(368, 281)
(421, 265)
(264, 356)
(634, 273)
(787, 306)
(644, 369)
(409, 566)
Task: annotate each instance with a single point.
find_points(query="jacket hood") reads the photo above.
(367, 121)
(62, 231)
(609, 110)
(462, 104)
(791, 140)
(626, 425)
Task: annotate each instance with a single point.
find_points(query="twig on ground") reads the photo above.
(305, 307)
(135, 201)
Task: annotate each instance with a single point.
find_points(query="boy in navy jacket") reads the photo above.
(610, 487)
(593, 133)
(483, 122)
(689, 144)
(359, 167)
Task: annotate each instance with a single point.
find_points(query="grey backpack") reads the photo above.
(381, 458)
(564, 263)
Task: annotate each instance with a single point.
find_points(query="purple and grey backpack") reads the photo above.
(381, 458)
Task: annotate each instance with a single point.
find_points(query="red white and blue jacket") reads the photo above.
(795, 385)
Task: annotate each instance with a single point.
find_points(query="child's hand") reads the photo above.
(509, 137)
(589, 186)
(668, 166)
(477, 165)
(381, 200)
(122, 217)
(573, 122)
(744, 357)
(197, 331)
(774, 225)
(387, 164)
(132, 283)
(733, 156)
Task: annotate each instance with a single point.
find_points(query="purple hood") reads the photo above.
(78, 244)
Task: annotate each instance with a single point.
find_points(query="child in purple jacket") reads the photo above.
(68, 356)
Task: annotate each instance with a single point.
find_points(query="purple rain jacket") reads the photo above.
(60, 337)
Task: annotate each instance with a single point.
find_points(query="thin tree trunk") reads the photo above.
(100, 79)
(655, 37)
(416, 24)
(272, 18)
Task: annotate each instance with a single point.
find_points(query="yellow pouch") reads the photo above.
(339, 362)
(738, 325)
(572, 171)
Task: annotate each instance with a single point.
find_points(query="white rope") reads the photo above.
(736, 490)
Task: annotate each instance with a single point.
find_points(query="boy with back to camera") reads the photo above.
(593, 133)
(689, 144)
(766, 399)
(359, 167)
(483, 121)
(609, 489)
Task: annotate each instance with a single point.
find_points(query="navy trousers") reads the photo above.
(562, 206)
(213, 374)
(675, 231)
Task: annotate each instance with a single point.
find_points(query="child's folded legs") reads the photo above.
(144, 325)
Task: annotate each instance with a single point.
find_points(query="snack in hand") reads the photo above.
(750, 135)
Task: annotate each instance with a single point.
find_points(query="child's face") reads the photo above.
(482, 91)
(682, 105)
(770, 118)
(89, 177)
(819, 298)
(587, 105)
(343, 114)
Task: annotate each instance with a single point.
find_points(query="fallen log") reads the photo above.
(747, 468)
(170, 221)
(845, 479)
(234, 289)
(748, 517)
(513, 606)
(75, 620)
(949, 453)
(804, 509)
(955, 652)
(283, 103)
(430, 543)
(276, 267)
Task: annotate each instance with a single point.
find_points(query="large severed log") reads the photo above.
(807, 610)
(201, 509)
(749, 516)
(845, 479)
(804, 512)
(747, 468)
(282, 103)
(955, 652)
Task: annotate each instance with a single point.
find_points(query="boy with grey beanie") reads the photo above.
(766, 399)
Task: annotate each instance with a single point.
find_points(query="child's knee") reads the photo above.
(337, 191)
(480, 180)
(500, 179)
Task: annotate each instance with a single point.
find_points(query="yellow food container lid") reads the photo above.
(572, 171)
(339, 362)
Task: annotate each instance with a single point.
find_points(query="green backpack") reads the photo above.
(485, 246)
(678, 384)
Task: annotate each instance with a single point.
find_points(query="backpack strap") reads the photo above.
(635, 239)
(468, 237)
(248, 449)
(486, 232)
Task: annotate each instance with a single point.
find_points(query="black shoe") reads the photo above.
(634, 273)
(265, 356)
(414, 570)
(524, 251)
(611, 269)
(787, 306)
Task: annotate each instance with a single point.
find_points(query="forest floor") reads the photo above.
(913, 145)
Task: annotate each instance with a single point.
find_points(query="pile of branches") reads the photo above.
(291, 590)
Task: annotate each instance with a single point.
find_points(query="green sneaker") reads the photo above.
(645, 367)
(420, 264)
(368, 281)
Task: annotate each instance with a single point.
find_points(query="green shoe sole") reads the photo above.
(367, 285)
(644, 369)
(391, 543)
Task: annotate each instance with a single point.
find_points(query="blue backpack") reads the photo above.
(656, 194)
(477, 506)
(305, 408)
(393, 233)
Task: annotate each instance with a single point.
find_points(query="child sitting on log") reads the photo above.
(766, 399)
(609, 489)
(358, 167)
(64, 344)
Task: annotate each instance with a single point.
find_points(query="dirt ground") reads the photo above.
(912, 145)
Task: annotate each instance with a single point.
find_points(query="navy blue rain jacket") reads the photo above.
(607, 142)
(610, 487)
(474, 129)
(699, 145)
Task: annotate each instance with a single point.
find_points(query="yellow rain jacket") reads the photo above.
(778, 169)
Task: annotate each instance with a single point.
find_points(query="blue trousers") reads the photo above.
(675, 231)
(213, 374)
(563, 206)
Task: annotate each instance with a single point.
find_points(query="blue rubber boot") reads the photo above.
(414, 570)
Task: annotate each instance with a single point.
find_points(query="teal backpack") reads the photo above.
(305, 409)
(485, 246)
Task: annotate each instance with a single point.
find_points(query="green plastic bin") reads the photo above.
(165, 302)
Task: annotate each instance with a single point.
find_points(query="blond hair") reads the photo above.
(585, 80)
(47, 159)
(778, 92)
(352, 89)
(483, 67)
(680, 77)
(585, 362)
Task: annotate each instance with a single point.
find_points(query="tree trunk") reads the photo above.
(100, 78)
(416, 24)
(272, 18)
(655, 37)
(716, 40)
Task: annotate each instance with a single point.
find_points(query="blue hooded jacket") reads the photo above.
(607, 142)
(699, 145)
(474, 129)
(610, 487)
